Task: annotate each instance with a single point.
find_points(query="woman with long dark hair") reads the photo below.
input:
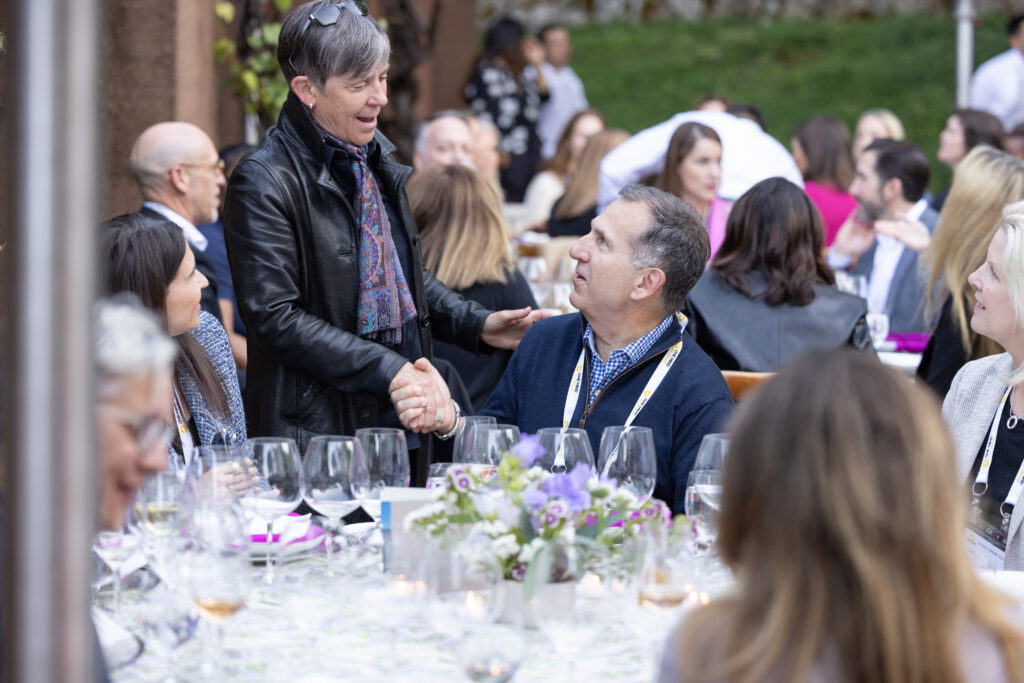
(149, 258)
(821, 149)
(768, 295)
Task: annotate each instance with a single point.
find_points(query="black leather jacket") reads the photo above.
(740, 333)
(292, 238)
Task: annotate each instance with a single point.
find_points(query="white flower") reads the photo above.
(567, 534)
(623, 498)
(529, 550)
(505, 547)
(494, 529)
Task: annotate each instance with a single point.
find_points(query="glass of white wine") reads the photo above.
(159, 512)
(217, 566)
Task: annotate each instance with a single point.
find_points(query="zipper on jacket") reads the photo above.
(636, 366)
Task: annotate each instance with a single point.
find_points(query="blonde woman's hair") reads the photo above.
(983, 183)
(892, 124)
(845, 536)
(582, 191)
(463, 236)
(1012, 227)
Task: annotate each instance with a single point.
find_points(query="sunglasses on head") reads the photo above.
(329, 15)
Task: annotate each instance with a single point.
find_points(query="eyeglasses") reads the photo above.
(216, 165)
(329, 15)
(147, 430)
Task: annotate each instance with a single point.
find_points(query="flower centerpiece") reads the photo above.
(509, 517)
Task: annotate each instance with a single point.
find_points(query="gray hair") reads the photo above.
(420, 145)
(676, 242)
(352, 47)
(129, 342)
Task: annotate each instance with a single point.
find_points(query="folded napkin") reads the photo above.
(910, 342)
(289, 528)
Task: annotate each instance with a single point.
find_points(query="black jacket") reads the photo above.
(740, 333)
(293, 243)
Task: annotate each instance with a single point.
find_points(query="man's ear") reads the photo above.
(305, 90)
(892, 190)
(647, 283)
(180, 180)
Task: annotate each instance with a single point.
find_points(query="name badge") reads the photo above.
(984, 546)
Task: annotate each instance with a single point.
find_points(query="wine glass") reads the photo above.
(878, 323)
(490, 444)
(703, 500)
(387, 458)
(160, 511)
(627, 455)
(167, 617)
(277, 463)
(462, 589)
(217, 566)
(334, 467)
(218, 473)
(564, 449)
(115, 548)
(463, 450)
(712, 452)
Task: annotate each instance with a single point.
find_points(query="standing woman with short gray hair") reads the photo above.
(325, 254)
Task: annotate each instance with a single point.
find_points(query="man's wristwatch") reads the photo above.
(455, 429)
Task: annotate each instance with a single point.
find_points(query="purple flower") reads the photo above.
(571, 487)
(551, 519)
(534, 499)
(590, 519)
(518, 572)
(462, 482)
(650, 511)
(529, 449)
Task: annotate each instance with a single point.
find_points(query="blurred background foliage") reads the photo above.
(641, 74)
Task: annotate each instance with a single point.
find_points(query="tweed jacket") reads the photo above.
(214, 340)
(968, 409)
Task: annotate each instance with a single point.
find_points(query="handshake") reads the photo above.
(421, 398)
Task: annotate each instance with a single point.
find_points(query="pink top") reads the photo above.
(718, 214)
(834, 204)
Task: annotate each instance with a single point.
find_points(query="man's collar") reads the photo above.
(914, 213)
(192, 234)
(636, 349)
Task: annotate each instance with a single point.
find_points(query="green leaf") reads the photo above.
(283, 5)
(223, 48)
(254, 41)
(225, 11)
(271, 32)
(250, 81)
(537, 573)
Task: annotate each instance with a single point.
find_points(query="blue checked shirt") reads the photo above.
(619, 361)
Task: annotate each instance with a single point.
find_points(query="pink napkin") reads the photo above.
(911, 342)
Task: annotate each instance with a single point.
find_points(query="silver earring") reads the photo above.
(310, 105)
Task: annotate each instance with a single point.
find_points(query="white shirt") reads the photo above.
(888, 251)
(749, 155)
(192, 234)
(998, 88)
(565, 98)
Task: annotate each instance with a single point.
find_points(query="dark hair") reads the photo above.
(232, 154)
(1013, 25)
(676, 242)
(143, 255)
(980, 128)
(679, 147)
(747, 111)
(353, 46)
(825, 141)
(553, 26)
(775, 229)
(504, 39)
(903, 160)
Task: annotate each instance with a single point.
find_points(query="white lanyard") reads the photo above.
(184, 433)
(573, 397)
(986, 465)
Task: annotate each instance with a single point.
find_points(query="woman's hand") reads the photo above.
(233, 477)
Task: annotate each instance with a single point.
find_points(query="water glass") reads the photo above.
(387, 458)
(437, 475)
(627, 455)
(334, 467)
(564, 449)
(703, 501)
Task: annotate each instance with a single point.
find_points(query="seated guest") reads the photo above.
(983, 183)
(965, 129)
(133, 408)
(593, 369)
(983, 407)
(572, 213)
(841, 519)
(875, 124)
(149, 258)
(889, 186)
(443, 138)
(486, 154)
(464, 245)
(181, 178)
(821, 149)
(768, 295)
(553, 175)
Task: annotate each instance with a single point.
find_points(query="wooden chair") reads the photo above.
(741, 382)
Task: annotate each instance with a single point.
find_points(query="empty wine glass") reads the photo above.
(217, 566)
(490, 444)
(463, 450)
(712, 452)
(334, 467)
(387, 459)
(115, 548)
(218, 473)
(167, 618)
(277, 463)
(564, 449)
(627, 455)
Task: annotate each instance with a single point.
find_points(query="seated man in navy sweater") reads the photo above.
(624, 358)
